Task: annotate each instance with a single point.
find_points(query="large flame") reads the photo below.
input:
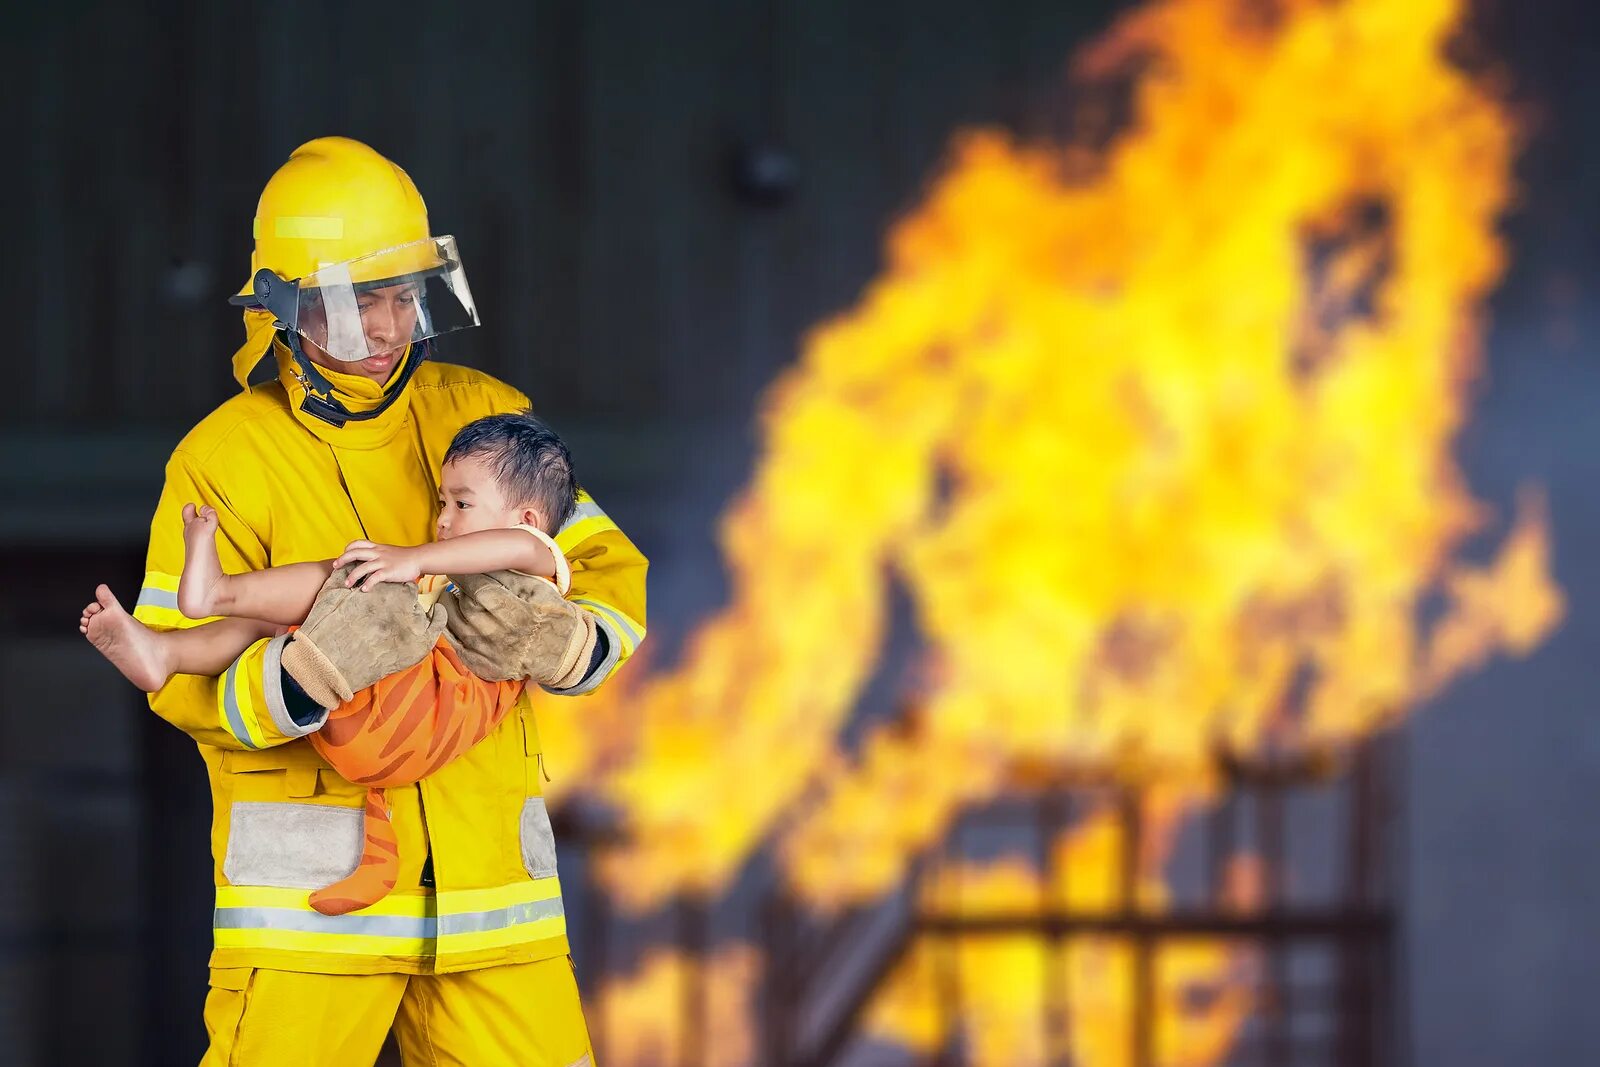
(1156, 438)
(1200, 988)
(642, 1019)
(1158, 444)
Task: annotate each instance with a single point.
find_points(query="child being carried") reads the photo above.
(506, 486)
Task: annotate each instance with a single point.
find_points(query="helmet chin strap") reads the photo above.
(324, 406)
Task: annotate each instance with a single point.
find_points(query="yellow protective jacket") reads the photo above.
(289, 488)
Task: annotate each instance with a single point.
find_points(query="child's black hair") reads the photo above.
(531, 464)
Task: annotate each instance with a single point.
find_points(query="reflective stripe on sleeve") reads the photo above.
(630, 632)
(158, 602)
(157, 605)
(587, 519)
(236, 706)
(603, 670)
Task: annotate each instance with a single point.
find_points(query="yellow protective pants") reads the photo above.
(519, 1015)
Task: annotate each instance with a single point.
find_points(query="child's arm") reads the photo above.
(473, 553)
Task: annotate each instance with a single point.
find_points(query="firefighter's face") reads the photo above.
(388, 321)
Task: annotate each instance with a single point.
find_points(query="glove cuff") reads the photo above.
(314, 672)
(575, 663)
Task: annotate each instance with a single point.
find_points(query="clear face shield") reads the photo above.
(378, 303)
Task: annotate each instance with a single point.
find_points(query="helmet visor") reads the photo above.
(382, 302)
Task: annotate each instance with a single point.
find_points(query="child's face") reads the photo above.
(470, 500)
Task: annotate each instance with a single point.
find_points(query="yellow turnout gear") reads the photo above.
(523, 1016)
(288, 487)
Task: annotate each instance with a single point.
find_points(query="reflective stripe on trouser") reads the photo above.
(449, 926)
(526, 1015)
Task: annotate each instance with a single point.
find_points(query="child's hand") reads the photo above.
(379, 563)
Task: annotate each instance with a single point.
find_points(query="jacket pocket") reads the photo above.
(533, 751)
(226, 1001)
(271, 773)
(294, 846)
(538, 839)
(302, 774)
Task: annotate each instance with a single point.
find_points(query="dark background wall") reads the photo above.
(581, 153)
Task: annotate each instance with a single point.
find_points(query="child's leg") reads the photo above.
(147, 658)
(281, 595)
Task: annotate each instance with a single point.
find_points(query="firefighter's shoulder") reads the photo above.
(466, 388)
(262, 411)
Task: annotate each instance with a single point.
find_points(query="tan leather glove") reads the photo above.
(353, 638)
(509, 626)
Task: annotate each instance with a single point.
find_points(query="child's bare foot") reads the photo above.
(202, 570)
(131, 646)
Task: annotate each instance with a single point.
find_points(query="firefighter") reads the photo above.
(467, 959)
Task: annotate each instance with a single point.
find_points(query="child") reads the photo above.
(501, 474)
(506, 485)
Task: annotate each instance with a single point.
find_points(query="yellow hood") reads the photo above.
(355, 392)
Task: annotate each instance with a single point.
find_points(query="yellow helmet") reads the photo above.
(336, 221)
(335, 200)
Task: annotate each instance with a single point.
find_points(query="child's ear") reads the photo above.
(533, 517)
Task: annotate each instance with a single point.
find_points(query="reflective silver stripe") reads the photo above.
(151, 597)
(272, 683)
(588, 509)
(230, 707)
(416, 928)
(291, 845)
(603, 671)
(500, 918)
(615, 616)
(538, 839)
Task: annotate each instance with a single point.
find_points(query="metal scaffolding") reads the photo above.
(1325, 989)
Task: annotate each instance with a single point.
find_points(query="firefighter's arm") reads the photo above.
(608, 576)
(247, 706)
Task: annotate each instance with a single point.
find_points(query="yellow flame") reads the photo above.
(1510, 604)
(580, 747)
(641, 1016)
(1156, 438)
(1004, 983)
(1149, 442)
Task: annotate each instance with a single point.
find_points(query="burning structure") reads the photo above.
(1152, 432)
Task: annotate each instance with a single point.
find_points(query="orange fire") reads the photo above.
(1145, 440)
(1200, 989)
(641, 1019)
(1155, 437)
